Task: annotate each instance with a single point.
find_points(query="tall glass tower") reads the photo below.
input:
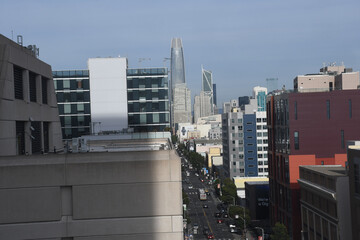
(177, 63)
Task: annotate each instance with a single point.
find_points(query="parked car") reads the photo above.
(190, 187)
(220, 220)
(233, 230)
(217, 214)
(205, 206)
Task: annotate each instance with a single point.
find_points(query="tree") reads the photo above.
(279, 232)
(237, 210)
(185, 198)
(174, 139)
(228, 190)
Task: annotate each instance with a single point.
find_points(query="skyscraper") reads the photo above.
(177, 63)
(180, 94)
(207, 87)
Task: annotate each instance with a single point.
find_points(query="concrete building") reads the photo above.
(227, 106)
(330, 78)
(29, 118)
(305, 129)
(259, 93)
(325, 202)
(181, 105)
(148, 101)
(72, 89)
(108, 94)
(244, 135)
(203, 146)
(353, 153)
(202, 106)
(131, 194)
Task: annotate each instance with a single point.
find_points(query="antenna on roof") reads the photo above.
(20, 40)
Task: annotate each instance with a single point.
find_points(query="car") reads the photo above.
(220, 220)
(233, 230)
(210, 236)
(206, 230)
(225, 215)
(205, 206)
(196, 174)
(190, 187)
(217, 214)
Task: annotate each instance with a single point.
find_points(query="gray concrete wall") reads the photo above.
(124, 195)
(12, 110)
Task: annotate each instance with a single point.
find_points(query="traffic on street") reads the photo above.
(208, 216)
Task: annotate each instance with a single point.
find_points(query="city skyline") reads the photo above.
(242, 43)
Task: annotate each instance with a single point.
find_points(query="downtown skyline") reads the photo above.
(242, 43)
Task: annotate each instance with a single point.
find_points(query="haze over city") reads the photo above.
(241, 42)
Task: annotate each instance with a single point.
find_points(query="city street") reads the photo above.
(205, 218)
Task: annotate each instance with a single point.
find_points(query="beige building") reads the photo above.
(330, 78)
(29, 117)
(213, 152)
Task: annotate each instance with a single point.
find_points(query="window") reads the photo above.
(258, 127)
(241, 156)
(44, 82)
(241, 163)
(258, 120)
(342, 139)
(259, 141)
(239, 127)
(32, 86)
(233, 128)
(264, 127)
(261, 170)
(66, 84)
(259, 134)
(234, 163)
(233, 149)
(265, 134)
(249, 123)
(233, 120)
(249, 130)
(296, 140)
(234, 155)
(350, 108)
(259, 148)
(18, 83)
(260, 156)
(260, 163)
(295, 109)
(67, 108)
(251, 165)
(233, 142)
(250, 159)
(250, 144)
(240, 120)
(156, 117)
(264, 119)
(266, 169)
(328, 109)
(240, 134)
(250, 151)
(241, 149)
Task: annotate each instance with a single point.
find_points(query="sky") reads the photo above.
(242, 42)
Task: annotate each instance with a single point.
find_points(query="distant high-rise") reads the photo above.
(180, 94)
(214, 94)
(177, 63)
(207, 88)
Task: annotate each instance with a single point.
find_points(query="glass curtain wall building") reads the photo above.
(148, 101)
(73, 96)
(177, 63)
(207, 87)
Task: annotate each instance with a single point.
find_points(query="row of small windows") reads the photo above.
(151, 118)
(63, 97)
(239, 127)
(83, 108)
(148, 106)
(147, 83)
(260, 120)
(72, 121)
(72, 84)
(18, 74)
(73, 132)
(239, 120)
(151, 94)
(259, 127)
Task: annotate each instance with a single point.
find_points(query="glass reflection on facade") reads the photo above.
(73, 97)
(148, 102)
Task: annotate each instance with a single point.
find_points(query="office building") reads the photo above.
(325, 202)
(272, 84)
(244, 100)
(207, 90)
(214, 95)
(305, 129)
(260, 94)
(73, 96)
(245, 145)
(227, 106)
(148, 101)
(29, 119)
(108, 94)
(180, 94)
(202, 106)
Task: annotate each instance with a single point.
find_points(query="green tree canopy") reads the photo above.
(237, 210)
(279, 232)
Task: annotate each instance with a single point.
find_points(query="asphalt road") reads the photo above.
(205, 217)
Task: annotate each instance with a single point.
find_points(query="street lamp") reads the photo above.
(262, 232)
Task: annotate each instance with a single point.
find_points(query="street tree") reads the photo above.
(279, 232)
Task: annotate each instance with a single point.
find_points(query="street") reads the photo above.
(204, 218)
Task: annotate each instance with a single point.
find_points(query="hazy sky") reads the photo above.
(241, 42)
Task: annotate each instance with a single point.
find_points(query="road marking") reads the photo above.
(207, 220)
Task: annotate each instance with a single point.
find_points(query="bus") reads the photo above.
(202, 194)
